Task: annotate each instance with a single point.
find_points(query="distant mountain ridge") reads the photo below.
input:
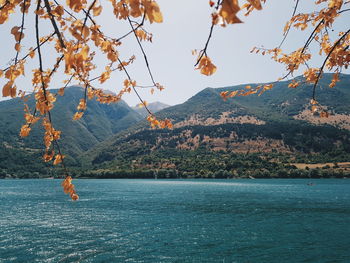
(154, 107)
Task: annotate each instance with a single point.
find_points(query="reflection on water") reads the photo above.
(175, 221)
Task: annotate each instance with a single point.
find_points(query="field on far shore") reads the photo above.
(341, 165)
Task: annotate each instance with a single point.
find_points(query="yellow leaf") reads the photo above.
(59, 10)
(6, 90)
(31, 53)
(76, 5)
(74, 197)
(228, 11)
(233, 93)
(255, 3)
(61, 92)
(85, 32)
(85, 52)
(97, 10)
(58, 159)
(268, 86)
(78, 115)
(153, 13)
(206, 66)
(18, 47)
(25, 130)
(104, 76)
(313, 102)
(223, 94)
(48, 156)
(15, 30)
(82, 104)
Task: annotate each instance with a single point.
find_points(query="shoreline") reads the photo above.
(194, 178)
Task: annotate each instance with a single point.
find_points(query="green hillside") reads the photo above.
(23, 155)
(277, 103)
(259, 134)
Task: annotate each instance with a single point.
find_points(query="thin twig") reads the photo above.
(56, 65)
(344, 10)
(27, 55)
(137, 94)
(290, 25)
(143, 51)
(21, 33)
(325, 61)
(53, 22)
(204, 50)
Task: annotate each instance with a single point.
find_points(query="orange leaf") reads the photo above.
(58, 159)
(255, 3)
(206, 66)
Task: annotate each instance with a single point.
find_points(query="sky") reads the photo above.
(185, 28)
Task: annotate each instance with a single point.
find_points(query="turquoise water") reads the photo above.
(176, 221)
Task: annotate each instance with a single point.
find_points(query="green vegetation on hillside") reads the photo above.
(186, 150)
(109, 142)
(23, 156)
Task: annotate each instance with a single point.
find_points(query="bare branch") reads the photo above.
(286, 34)
(143, 51)
(137, 94)
(204, 50)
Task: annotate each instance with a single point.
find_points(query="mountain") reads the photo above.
(254, 135)
(153, 107)
(23, 155)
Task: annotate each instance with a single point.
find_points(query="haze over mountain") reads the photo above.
(154, 107)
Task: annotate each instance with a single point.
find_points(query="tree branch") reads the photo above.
(137, 94)
(143, 51)
(43, 83)
(286, 34)
(204, 50)
(53, 22)
(21, 33)
(325, 61)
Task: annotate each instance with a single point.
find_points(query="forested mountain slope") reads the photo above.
(275, 126)
(98, 123)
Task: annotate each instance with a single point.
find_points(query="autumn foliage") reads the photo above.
(76, 39)
(335, 53)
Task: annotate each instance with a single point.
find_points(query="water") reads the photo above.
(176, 221)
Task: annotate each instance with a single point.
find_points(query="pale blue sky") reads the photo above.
(186, 27)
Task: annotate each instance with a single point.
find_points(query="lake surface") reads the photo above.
(176, 221)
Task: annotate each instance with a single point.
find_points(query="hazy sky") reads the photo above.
(186, 27)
